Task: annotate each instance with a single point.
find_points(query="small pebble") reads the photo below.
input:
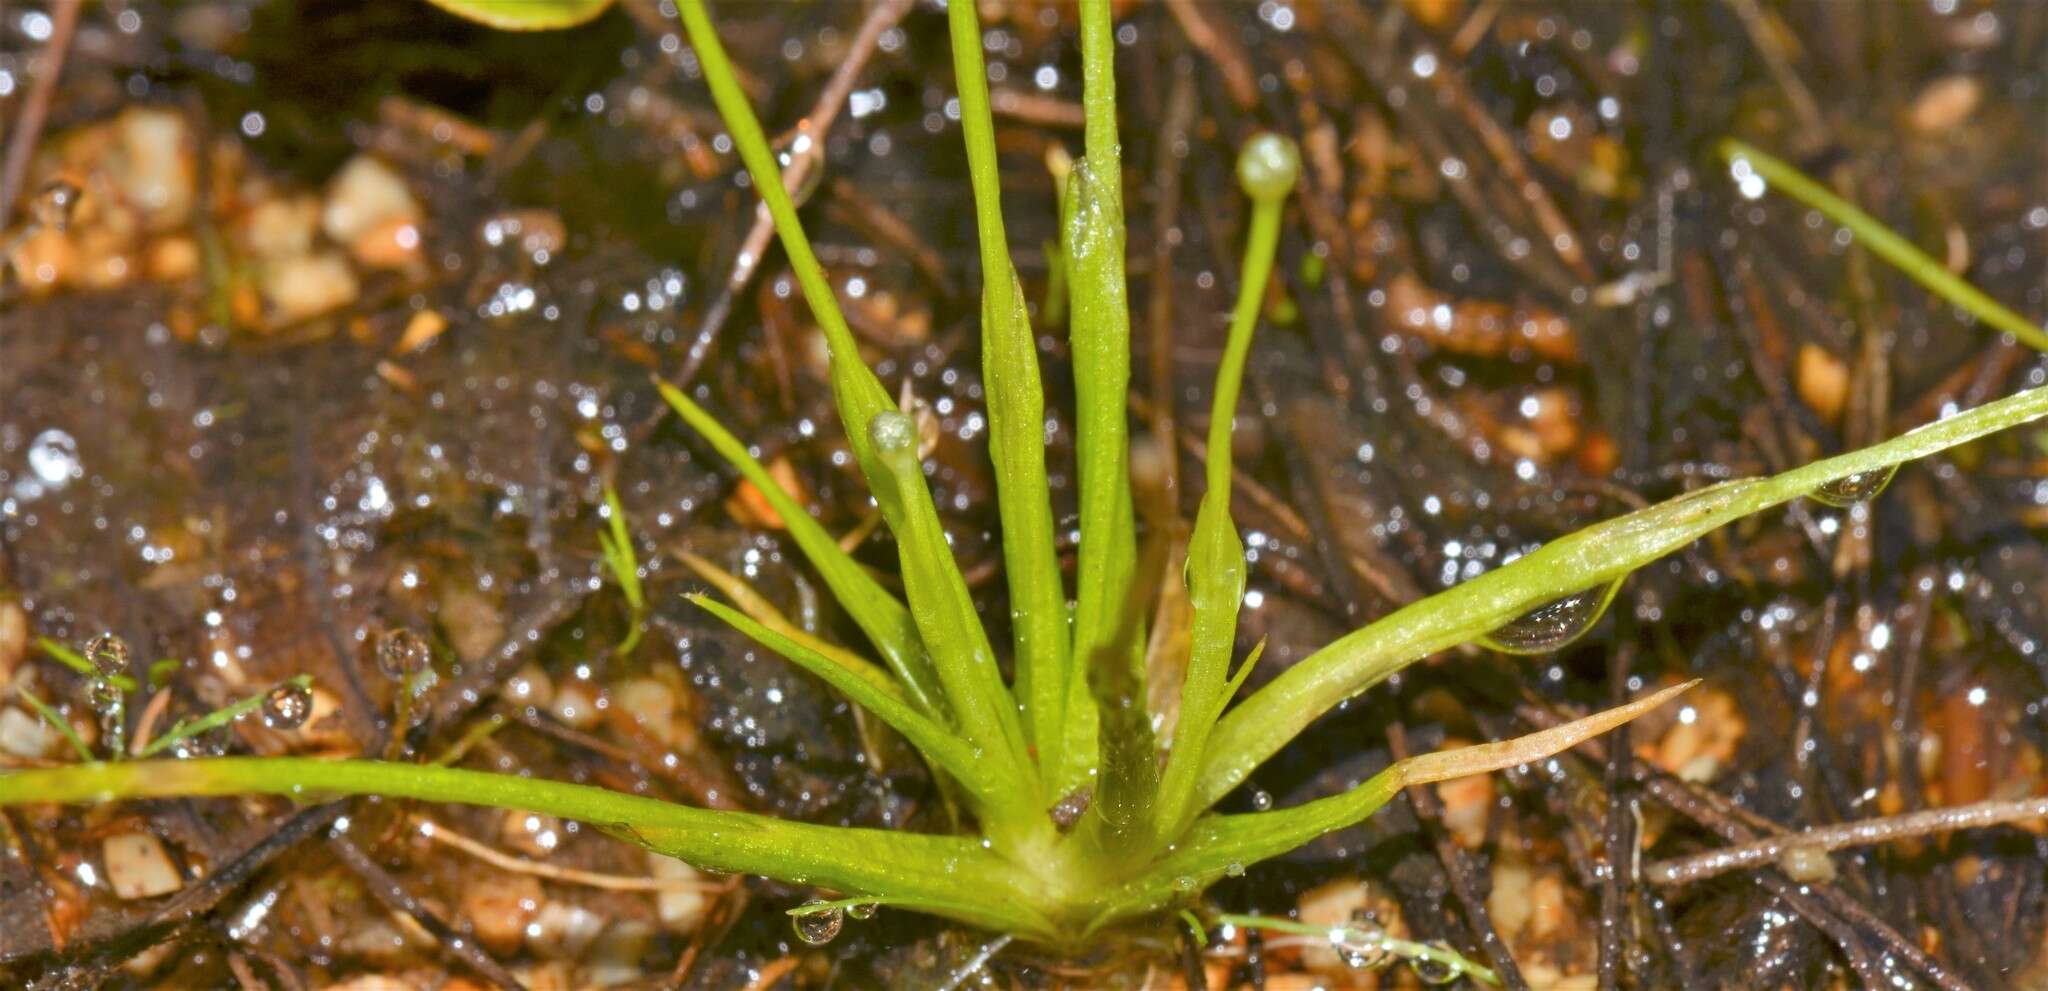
(299, 288)
(138, 867)
(364, 194)
(499, 907)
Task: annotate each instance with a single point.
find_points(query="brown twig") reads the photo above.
(1862, 832)
(806, 157)
(392, 895)
(28, 126)
(1170, 155)
(1223, 51)
(1459, 869)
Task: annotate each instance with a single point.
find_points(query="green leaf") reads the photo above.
(858, 394)
(1100, 334)
(761, 611)
(75, 661)
(986, 781)
(952, 876)
(878, 613)
(943, 608)
(61, 725)
(618, 552)
(1588, 559)
(1016, 412)
(219, 717)
(525, 15)
(1219, 844)
(1885, 244)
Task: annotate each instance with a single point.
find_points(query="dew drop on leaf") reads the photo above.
(108, 654)
(401, 653)
(1553, 624)
(819, 927)
(1852, 489)
(1262, 800)
(287, 706)
(861, 912)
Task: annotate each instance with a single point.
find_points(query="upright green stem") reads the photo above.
(1106, 632)
(1887, 245)
(1215, 574)
(1016, 412)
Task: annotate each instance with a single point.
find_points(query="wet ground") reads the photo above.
(359, 307)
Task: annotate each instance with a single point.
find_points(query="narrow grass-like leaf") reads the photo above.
(987, 781)
(217, 718)
(76, 661)
(1218, 845)
(60, 724)
(1589, 558)
(1884, 243)
(761, 611)
(1016, 438)
(984, 710)
(858, 393)
(1100, 334)
(617, 545)
(952, 876)
(877, 612)
(1215, 576)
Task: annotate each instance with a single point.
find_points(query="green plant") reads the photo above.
(616, 544)
(1079, 821)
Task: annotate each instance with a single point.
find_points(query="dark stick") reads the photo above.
(1619, 833)
(1459, 868)
(392, 895)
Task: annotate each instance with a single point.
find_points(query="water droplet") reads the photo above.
(799, 143)
(1234, 869)
(108, 654)
(1262, 800)
(1852, 489)
(1435, 971)
(53, 457)
(287, 706)
(861, 912)
(1553, 624)
(401, 653)
(820, 926)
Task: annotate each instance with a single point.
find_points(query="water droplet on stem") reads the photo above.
(820, 926)
(287, 706)
(1554, 624)
(1852, 489)
(108, 654)
(401, 653)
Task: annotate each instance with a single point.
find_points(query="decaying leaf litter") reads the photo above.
(1512, 327)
